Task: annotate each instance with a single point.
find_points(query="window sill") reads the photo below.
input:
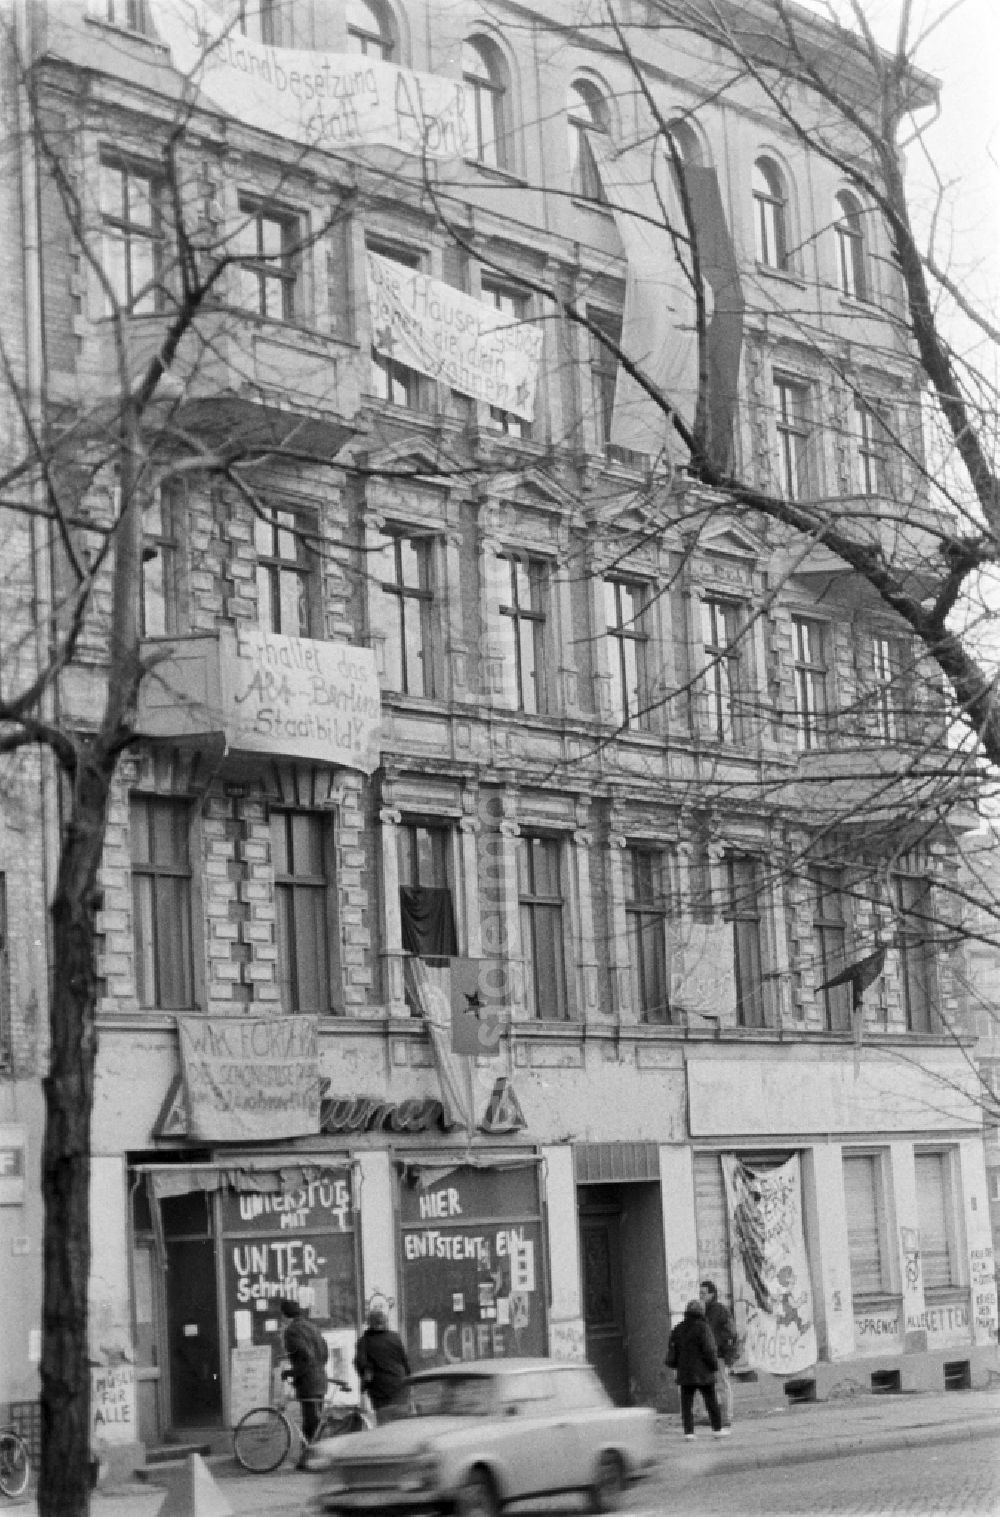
(599, 207)
(98, 24)
(782, 276)
(501, 176)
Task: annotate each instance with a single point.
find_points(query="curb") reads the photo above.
(852, 1444)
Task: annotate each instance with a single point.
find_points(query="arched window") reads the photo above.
(851, 271)
(586, 113)
(368, 31)
(770, 205)
(484, 75)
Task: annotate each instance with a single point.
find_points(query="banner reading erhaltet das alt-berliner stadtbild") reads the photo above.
(324, 100)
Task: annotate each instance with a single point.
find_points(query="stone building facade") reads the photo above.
(642, 756)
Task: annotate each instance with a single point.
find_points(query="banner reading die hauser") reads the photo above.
(250, 1077)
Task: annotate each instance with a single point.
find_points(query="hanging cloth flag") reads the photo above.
(860, 977)
(427, 921)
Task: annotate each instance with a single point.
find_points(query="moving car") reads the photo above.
(473, 1437)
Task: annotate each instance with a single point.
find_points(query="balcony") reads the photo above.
(238, 381)
(261, 693)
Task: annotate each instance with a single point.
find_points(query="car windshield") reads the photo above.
(452, 1396)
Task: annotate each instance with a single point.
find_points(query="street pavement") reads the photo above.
(794, 1434)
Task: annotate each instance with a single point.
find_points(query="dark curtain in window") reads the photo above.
(428, 921)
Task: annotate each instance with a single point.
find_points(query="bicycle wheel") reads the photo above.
(14, 1463)
(261, 1439)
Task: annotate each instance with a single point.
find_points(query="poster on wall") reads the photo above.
(250, 1077)
(770, 1269)
(472, 1275)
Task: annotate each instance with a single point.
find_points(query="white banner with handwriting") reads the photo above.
(250, 1077)
(324, 100)
(439, 331)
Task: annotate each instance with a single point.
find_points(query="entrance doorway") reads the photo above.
(624, 1287)
(193, 1318)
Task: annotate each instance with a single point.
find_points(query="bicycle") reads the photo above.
(15, 1465)
(264, 1435)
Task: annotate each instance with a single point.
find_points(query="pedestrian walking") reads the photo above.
(382, 1365)
(720, 1320)
(307, 1351)
(691, 1352)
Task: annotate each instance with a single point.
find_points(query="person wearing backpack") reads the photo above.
(306, 1350)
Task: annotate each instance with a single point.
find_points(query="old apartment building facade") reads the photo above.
(629, 756)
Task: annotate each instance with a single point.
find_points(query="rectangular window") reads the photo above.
(391, 380)
(830, 945)
(268, 268)
(302, 901)
(869, 447)
(935, 1218)
(132, 236)
(286, 559)
(603, 383)
(810, 682)
(917, 956)
(624, 605)
(423, 851)
(791, 412)
(646, 906)
(541, 906)
(130, 15)
(743, 910)
(515, 306)
(523, 593)
(403, 577)
(722, 635)
(260, 20)
(866, 1225)
(161, 901)
(890, 695)
(159, 587)
(426, 903)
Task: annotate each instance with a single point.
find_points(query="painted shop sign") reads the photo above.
(248, 1078)
(472, 1265)
(373, 1114)
(944, 1325)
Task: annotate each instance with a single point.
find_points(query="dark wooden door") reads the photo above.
(603, 1306)
(193, 1317)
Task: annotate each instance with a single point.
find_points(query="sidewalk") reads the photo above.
(794, 1434)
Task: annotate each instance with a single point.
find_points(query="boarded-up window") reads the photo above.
(865, 1225)
(937, 1251)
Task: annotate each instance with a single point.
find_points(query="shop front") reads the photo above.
(216, 1246)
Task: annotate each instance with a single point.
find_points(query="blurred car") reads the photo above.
(470, 1438)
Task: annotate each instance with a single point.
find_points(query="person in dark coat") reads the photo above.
(692, 1353)
(306, 1350)
(720, 1320)
(382, 1366)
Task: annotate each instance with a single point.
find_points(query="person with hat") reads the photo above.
(306, 1350)
(691, 1352)
(382, 1365)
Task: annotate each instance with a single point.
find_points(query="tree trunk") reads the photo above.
(64, 1483)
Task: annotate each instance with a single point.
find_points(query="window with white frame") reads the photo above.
(852, 273)
(540, 894)
(131, 200)
(770, 201)
(260, 21)
(624, 616)
(268, 268)
(810, 670)
(586, 114)
(402, 575)
(646, 909)
(160, 584)
(512, 304)
(936, 1219)
(722, 636)
(870, 455)
(917, 951)
(485, 78)
(523, 594)
(161, 901)
(791, 422)
(426, 895)
(829, 919)
(867, 1230)
(299, 857)
(888, 655)
(368, 30)
(130, 15)
(287, 560)
(743, 910)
